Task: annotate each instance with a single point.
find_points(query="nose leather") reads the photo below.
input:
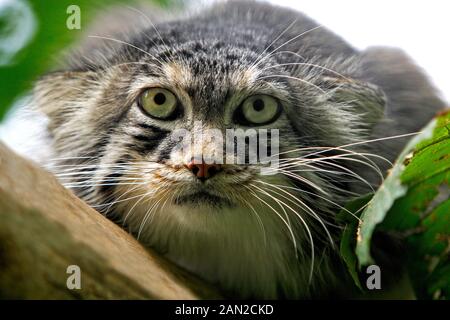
(203, 170)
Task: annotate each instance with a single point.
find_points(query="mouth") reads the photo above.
(203, 199)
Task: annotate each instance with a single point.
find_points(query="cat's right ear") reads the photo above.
(58, 94)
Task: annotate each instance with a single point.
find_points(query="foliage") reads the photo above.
(413, 202)
(47, 36)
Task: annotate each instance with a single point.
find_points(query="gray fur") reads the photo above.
(207, 59)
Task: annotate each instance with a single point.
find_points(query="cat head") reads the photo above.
(115, 110)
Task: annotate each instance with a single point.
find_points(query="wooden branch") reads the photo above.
(44, 228)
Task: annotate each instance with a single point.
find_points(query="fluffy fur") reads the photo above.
(252, 236)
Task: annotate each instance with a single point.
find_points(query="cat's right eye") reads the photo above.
(159, 103)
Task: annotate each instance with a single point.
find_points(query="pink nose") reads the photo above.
(203, 170)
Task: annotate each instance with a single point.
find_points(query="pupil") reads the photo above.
(258, 104)
(159, 98)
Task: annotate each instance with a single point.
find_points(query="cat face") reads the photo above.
(114, 115)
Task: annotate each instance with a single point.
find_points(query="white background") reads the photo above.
(421, 28)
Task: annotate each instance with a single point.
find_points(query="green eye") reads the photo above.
(260, 109)
(158, 103)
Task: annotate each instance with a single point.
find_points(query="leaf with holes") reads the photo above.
(414, 202)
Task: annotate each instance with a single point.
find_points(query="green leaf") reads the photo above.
(414, 202)
(423, 214)
(391, 189)
(348, 239)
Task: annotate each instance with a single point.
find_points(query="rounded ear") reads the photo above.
(366, 100)
(56, 94)
(412, 98)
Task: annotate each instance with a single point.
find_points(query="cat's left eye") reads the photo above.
(258, 110)
(158, 103)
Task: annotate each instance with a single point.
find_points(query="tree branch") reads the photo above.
(44, 228)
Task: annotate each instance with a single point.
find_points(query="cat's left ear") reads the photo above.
(364, 99)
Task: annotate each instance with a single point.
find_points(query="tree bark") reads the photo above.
(44, 228)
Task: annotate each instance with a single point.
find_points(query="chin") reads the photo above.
(241, 247)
